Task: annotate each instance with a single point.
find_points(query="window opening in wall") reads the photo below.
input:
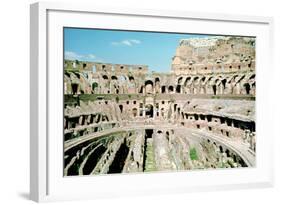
(121, 108)
(163, 89)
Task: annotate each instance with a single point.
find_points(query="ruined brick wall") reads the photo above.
(214, 55)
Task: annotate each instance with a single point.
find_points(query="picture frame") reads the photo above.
(47, 21)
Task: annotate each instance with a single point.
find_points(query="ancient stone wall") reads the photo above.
(122, 118)
(214, 55)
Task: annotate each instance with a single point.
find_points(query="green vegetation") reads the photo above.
(216, 97)
(193, 154)
(150, 161)
(94, 85)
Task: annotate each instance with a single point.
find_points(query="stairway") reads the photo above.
(149, 153)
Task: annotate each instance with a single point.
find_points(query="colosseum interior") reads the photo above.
(122, 118)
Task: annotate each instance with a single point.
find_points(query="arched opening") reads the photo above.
(149, 111)
(187, 80)
(131, 78)
(74, 87)
(157, 80)
(149, 87)
(203, 79)
(209, 118)
(171, 89)
(221, 149)
(247, 88)
(178, 89)
(252, 77)
(234, 158)
(162, 112)
(94, 86)
(223, 83)
(157, 85)
(180, 80)
(227, 153)
(159, 132)
(121, 108)
(254, 85)
(113, 77)
(214, 89)
(163, 89)
(122, 79)
(135, 112)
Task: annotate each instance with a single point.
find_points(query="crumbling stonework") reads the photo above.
(123, 119)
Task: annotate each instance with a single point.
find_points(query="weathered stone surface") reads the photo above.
(201, 115)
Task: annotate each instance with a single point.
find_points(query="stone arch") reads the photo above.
(223, 82)
(187, 81)
(135, 112)
(252, 76)
(171, 89)
(95, 86)
(149, 111)
(157, 85)
(178, 88)
(196, 79)
(240, 78)
(247, 88)
(105, 77)
(162, 112)
(121, 108)
(163, 89)
(202, 85)
(159, 131)
(202, 80)
(122, 78)
(131, 78)
(114, 77)
(74, 88)
(221, 149)
(196, 82)
(157, 79)
(180, 80)
(149, 87)
(214, 89)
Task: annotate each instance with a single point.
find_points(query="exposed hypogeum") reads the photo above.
(201, 115)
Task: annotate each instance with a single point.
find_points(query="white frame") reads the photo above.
(41, 90)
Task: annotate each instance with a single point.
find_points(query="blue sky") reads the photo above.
(123, 47)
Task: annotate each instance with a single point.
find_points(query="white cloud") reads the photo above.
(91, 56)
(72, 55)
(126, 42)
(69, 55)
(135, 41)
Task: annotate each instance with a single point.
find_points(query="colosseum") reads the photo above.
(122, 118)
